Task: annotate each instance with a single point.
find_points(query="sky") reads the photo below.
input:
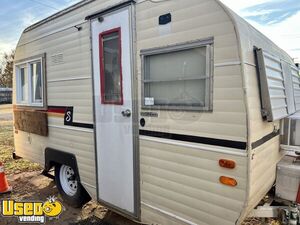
(277, 19)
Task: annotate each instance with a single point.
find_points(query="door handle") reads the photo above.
(126, 113)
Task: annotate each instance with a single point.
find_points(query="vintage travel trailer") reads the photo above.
(165, 111)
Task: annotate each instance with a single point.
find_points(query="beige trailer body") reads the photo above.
(179, 180)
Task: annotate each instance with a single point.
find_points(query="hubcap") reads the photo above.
(68, 181)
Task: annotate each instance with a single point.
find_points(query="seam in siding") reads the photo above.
(168, 214)
(89, 185)
(208, 193)
(69, 79)
(55, 32)
(247, 108)
(72, 128)
(213, 182)
(189, 209)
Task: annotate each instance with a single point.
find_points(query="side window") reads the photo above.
(30, 83)
(110, 67)
(36, 82)
(23, 93)
(178, 77)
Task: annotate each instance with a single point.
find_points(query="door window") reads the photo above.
(110, 67)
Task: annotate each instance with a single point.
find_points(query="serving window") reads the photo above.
(30, 86)
(178, 77)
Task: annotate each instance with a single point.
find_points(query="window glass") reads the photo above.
(23, 84)
(182, 64)
(36, 82)
(177, 93)
(177, 79)
(111, 85)
(30, 83)
(295, 132)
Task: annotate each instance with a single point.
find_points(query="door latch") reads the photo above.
(126, 113)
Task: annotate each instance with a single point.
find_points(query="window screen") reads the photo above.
(111, 76)
(177, 77)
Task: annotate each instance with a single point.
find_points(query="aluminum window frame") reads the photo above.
(27, 65)
(286, 133)
(209, 45)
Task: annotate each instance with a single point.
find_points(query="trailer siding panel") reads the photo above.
(185, 182)
(263, 159)
(181, 180)
(228, 93)
(263, 170)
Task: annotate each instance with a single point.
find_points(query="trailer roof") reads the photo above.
(246, 32)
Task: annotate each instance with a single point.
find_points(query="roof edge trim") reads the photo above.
(110, 9)
(58, 14)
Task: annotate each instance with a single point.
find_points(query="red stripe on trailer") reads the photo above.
(298, 195)
(57, 110)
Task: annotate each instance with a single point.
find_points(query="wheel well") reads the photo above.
(54, 157)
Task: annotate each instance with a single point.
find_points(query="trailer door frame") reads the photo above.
(113, 21)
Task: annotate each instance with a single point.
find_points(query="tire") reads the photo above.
(69, 187)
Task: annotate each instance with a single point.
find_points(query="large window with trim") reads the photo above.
(178, 76)
(30, 77)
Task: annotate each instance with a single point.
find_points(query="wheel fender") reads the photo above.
(53, 156)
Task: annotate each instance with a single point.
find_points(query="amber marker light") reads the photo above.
(228, 181)
(226, 163)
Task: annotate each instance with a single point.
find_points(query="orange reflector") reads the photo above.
(227, 163)
(228, 181)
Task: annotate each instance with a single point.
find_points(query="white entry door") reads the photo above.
(111, 43)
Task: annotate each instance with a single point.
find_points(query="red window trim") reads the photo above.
(102, 72)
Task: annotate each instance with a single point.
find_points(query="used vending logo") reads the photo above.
(32, 211)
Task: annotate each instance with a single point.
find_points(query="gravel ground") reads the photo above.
(34, 186)
(28, 184)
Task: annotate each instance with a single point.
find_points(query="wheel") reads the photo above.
(68, 185)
